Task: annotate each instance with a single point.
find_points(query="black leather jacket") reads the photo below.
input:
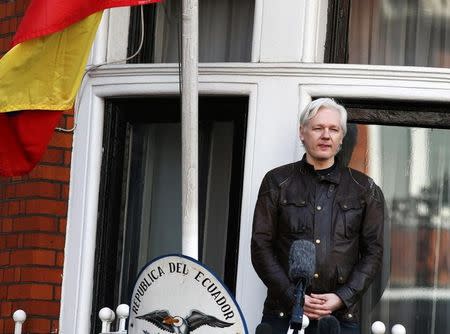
(342, 213)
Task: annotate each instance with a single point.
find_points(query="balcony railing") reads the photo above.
(108, 316)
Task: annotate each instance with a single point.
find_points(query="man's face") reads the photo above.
(322, 136)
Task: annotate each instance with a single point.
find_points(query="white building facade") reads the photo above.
(261, 62)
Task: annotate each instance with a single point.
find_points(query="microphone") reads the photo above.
(302, 263)
(329, 325)
(263, 328)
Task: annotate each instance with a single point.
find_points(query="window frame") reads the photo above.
(134, 34)
(147, 53)
(398, 112)
(405, 113)
(271, 106)
(259, 81)
(120, 115)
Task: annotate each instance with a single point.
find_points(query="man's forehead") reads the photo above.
(326, 118)
(326, 124)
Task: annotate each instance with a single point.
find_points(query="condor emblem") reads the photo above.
(177, 294)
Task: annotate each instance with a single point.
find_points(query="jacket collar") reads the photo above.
(334, 176)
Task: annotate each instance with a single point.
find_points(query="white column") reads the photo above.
(98, 52)
(418, 178)
(107, 316)
(375, 165)
(189, 129)
(117, 39)
(300, 37)
(123, 312)
(19, 318)
(281, 42)
(310, 31)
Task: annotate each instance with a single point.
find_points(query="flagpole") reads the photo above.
(189, 128)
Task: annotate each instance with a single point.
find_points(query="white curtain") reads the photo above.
(394, 32)
(225, 31)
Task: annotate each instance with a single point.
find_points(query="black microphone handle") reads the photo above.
(297, 309)
(328, 325)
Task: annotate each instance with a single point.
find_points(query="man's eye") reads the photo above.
(334, 130)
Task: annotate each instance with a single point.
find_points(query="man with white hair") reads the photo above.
(337, 208)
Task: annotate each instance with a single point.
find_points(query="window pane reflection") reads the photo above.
(225, 31)
(412, 166)
(152, 209)
(154, 194)
(392, 32)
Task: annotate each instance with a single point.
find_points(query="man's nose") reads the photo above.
(326, 133)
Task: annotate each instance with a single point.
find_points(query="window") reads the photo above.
(225, 31)
(404, 147)
(140, 206)
(389, 32)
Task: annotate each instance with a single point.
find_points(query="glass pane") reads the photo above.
(217, 193)
(225, 31)
(393, 32)
(412, 166)
(153, 214)
(156, 157)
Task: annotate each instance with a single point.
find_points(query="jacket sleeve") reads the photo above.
(370, 248)
(264, 232)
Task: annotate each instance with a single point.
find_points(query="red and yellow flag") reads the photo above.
(41, 74)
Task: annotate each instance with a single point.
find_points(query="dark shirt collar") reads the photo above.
(326, 171)
(331, 174)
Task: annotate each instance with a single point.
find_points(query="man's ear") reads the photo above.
(300, 132)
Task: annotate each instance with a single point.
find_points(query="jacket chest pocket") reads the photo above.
(351, 212)
(294, 216)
